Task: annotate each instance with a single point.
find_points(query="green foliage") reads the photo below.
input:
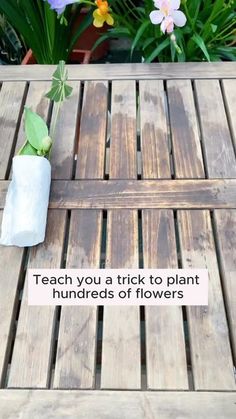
(38, 142)
(41, 29)
(59, 89)
(209, 35)
(12, 48)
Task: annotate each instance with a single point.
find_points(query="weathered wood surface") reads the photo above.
(153, 130)
(171, 147)
(217, 143)
(10, 112)
(211, 193)
(77, 342)
(92, 135)
(11, 267)
(165, 345)
(38, 342)
(121, 357)
(209, 335)
(187, 152)
(116, 404)
(32, 353)
(229, 91)
(123, 160)
(226, 241)
(76, 351)
(163, 71)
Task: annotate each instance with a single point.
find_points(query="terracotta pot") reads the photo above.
(81, 56)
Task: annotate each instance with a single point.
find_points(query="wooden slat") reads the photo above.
(10, 274)
(116, 404)
(184, 130)
(153, 130)
(209, 337)
(139, 195)
(123, 149)
(165, 347)
(163, 71)
(62, 158)
(76, 353)
(11, 101)
(226, 239)
(219, 151)
(33, 345)
(32, 354)
(229, 90)
(91, 150)
(11, 97)
(121, 358)
(37, 102)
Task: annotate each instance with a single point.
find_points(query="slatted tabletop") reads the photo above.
(156, 189)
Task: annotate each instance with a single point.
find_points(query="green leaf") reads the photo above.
(27, 150)
(59, 89)
(213, 27)
(139, 34)
(35, 129)
(199, 41)
(157, 50)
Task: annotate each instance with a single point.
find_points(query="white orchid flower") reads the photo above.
(168, 15)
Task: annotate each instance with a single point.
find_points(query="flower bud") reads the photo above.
(46, 144)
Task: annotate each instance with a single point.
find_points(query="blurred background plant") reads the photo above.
(43, 32)
(12, 47)
(209, 34)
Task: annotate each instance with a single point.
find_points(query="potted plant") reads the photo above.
(199, 30)
(49, 38)
(25, 212)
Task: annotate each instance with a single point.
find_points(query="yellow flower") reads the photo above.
(102, 15)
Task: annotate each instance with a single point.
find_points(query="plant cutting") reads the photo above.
(25, 211)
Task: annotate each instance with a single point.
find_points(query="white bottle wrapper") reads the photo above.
(25, 212)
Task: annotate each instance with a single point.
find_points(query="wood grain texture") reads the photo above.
(226, 240)
(163, 71)
(76, 353)
(209, 336)
(117, 404)
(62, 158)
(11, 101)
(187, 152)
(217, 142)
(165, 346)
(31, 359)
(153, 130)
(10, 275)
(121, 358)
(143, 194)
(123, 148)
(37, 102)
(92, 137)
(229, 90)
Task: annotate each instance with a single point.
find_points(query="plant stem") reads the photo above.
(54, 123)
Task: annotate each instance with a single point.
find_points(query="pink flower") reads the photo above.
(168, 15)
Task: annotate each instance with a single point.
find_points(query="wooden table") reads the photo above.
(160, 193)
